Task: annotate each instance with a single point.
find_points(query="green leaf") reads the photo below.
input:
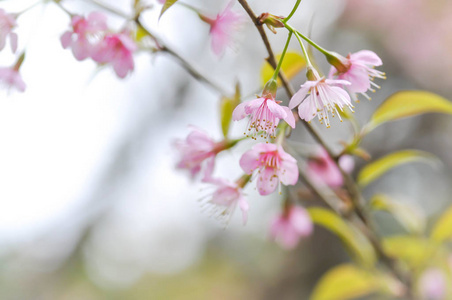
(344, 282)
(353, 239)
(227, 106)
(408, 216)
(377, 168)
(412, 250)
(293, 63)
(140, 33)
(442, 230)
(168, 4)
(406, 104)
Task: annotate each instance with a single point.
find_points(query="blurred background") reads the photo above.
(92, 205)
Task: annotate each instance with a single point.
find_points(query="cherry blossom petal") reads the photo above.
(277, 110)
(290, 119)
(267, 181)
(250, 161)
(289, 172)
(239, 112)
(367, 57)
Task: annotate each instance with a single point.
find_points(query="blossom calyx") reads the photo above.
(341, 63)
(224, 145)
(271, 21)
(270, 89)
(312, 74)
(19, 62)
(243, 180)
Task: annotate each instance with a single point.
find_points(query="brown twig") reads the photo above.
(185, 64)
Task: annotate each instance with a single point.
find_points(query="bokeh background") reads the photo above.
(92, 206)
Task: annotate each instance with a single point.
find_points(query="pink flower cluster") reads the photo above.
(90, 38)
(321, 97)
(273, 165)
(198, 152)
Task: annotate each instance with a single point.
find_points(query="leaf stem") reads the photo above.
(294, 9)
(278, 67)
(314, 44)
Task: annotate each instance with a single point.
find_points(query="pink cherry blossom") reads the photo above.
(226, 198)
(322, 170)
(116, 49)
(290, 226)
(161, 1)
(85, 34)
(11, 78)
(222, 28)
(265, 114)
(319, 98)
(198, 152)
(7, 24)
(360, 72)
(433, 284)
(274, 165)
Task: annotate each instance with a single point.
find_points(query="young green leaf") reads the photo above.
(442, 230)
(407, 215)
(168, 4)
(227, 106)
(412, 250)
(343, 282)
(405, 104)
(377, 168)
(293, 63)
(353, 239)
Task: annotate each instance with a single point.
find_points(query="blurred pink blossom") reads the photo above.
(198, 151)
(7, 24)
(433, 285)
(323, 171)
(360, 72)
(222, 28)
(226, 198)
(12, 79)
(116, 49)
(320, 97)
(85, 35)
(274, 165)
(264, 114)
(290, 226)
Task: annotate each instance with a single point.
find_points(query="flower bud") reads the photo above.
(271, 21)
(312, 74)
(270, 88)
